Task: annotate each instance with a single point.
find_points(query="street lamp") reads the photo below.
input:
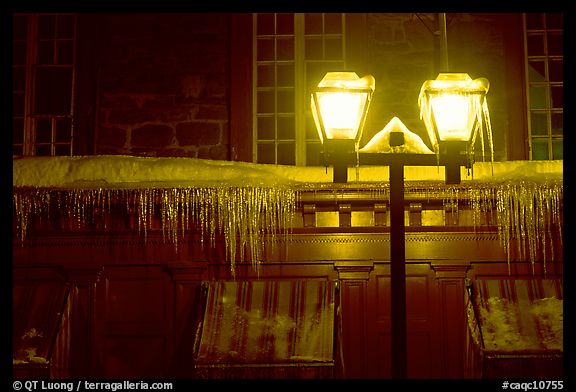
(449, 127)
(339, 107)
(453, 108)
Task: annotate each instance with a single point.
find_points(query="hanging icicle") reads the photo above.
(249, 218)
(253, 219)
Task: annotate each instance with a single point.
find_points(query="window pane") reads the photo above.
(286, 101)
(63, 130)
(285, 49)
(557, 96)
(286, 128)
(265, 49)
(266, 128)
(65, 52)
(333, 23)
(534, 21)
(554, 21)
(536, 45)
(555, 44)
(43, 131)
(53, 90)
(43, 150)
(266, 102)
(63, 149)
(557, 149)
(539, 124)
(285, 24)
(313, 24)
(313, 50)
(266, 153)
(65, 26)
(286, 154)
(46, 28)
(537, 71)
(538, 97)
(285, 75)
(539, 149)
(266, 75)
(557, 124)
(333, 49)
(46, 52)
(556, 70)
(265, 24)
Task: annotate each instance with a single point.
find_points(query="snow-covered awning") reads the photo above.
(517, 315)
(268, 322)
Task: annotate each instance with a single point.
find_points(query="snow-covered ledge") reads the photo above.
(130, 171)
(246, 202)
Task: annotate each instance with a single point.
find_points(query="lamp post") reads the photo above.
(450, 129)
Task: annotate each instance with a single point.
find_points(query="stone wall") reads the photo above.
(164, 78)
(403, 53)
(163, 85)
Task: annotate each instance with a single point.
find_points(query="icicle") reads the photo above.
(251, 219)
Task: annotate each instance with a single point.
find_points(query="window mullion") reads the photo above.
(31, 56)
(299, 90)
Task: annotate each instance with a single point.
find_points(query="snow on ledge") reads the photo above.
(132, 171)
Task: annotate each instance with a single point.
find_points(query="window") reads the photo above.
(543, 35)
(292, 52)
(43, 84)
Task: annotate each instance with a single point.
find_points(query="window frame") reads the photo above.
(31, 116)
(548, 110)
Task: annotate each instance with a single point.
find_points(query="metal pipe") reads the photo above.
(444, 67)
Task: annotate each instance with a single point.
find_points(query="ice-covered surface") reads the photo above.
(130, 171)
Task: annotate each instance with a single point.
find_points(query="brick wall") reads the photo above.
(163, 85)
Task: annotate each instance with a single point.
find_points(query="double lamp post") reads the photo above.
(452, 107)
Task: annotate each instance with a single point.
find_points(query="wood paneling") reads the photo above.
(423, 346)
(135, 303)
(134, 328)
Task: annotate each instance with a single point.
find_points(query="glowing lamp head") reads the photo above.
(340, 104)
(452, 107)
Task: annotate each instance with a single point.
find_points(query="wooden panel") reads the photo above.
(354, 324)
(423, 343)
(135, 357)
(134, 322)
(188, 316)
(452, 332)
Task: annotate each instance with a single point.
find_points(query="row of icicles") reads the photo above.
(250, 218)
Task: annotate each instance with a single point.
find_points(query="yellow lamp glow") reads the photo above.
(453, 107)
(339, 105)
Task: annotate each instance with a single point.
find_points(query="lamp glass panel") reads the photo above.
(341, 113)
(453, 115)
